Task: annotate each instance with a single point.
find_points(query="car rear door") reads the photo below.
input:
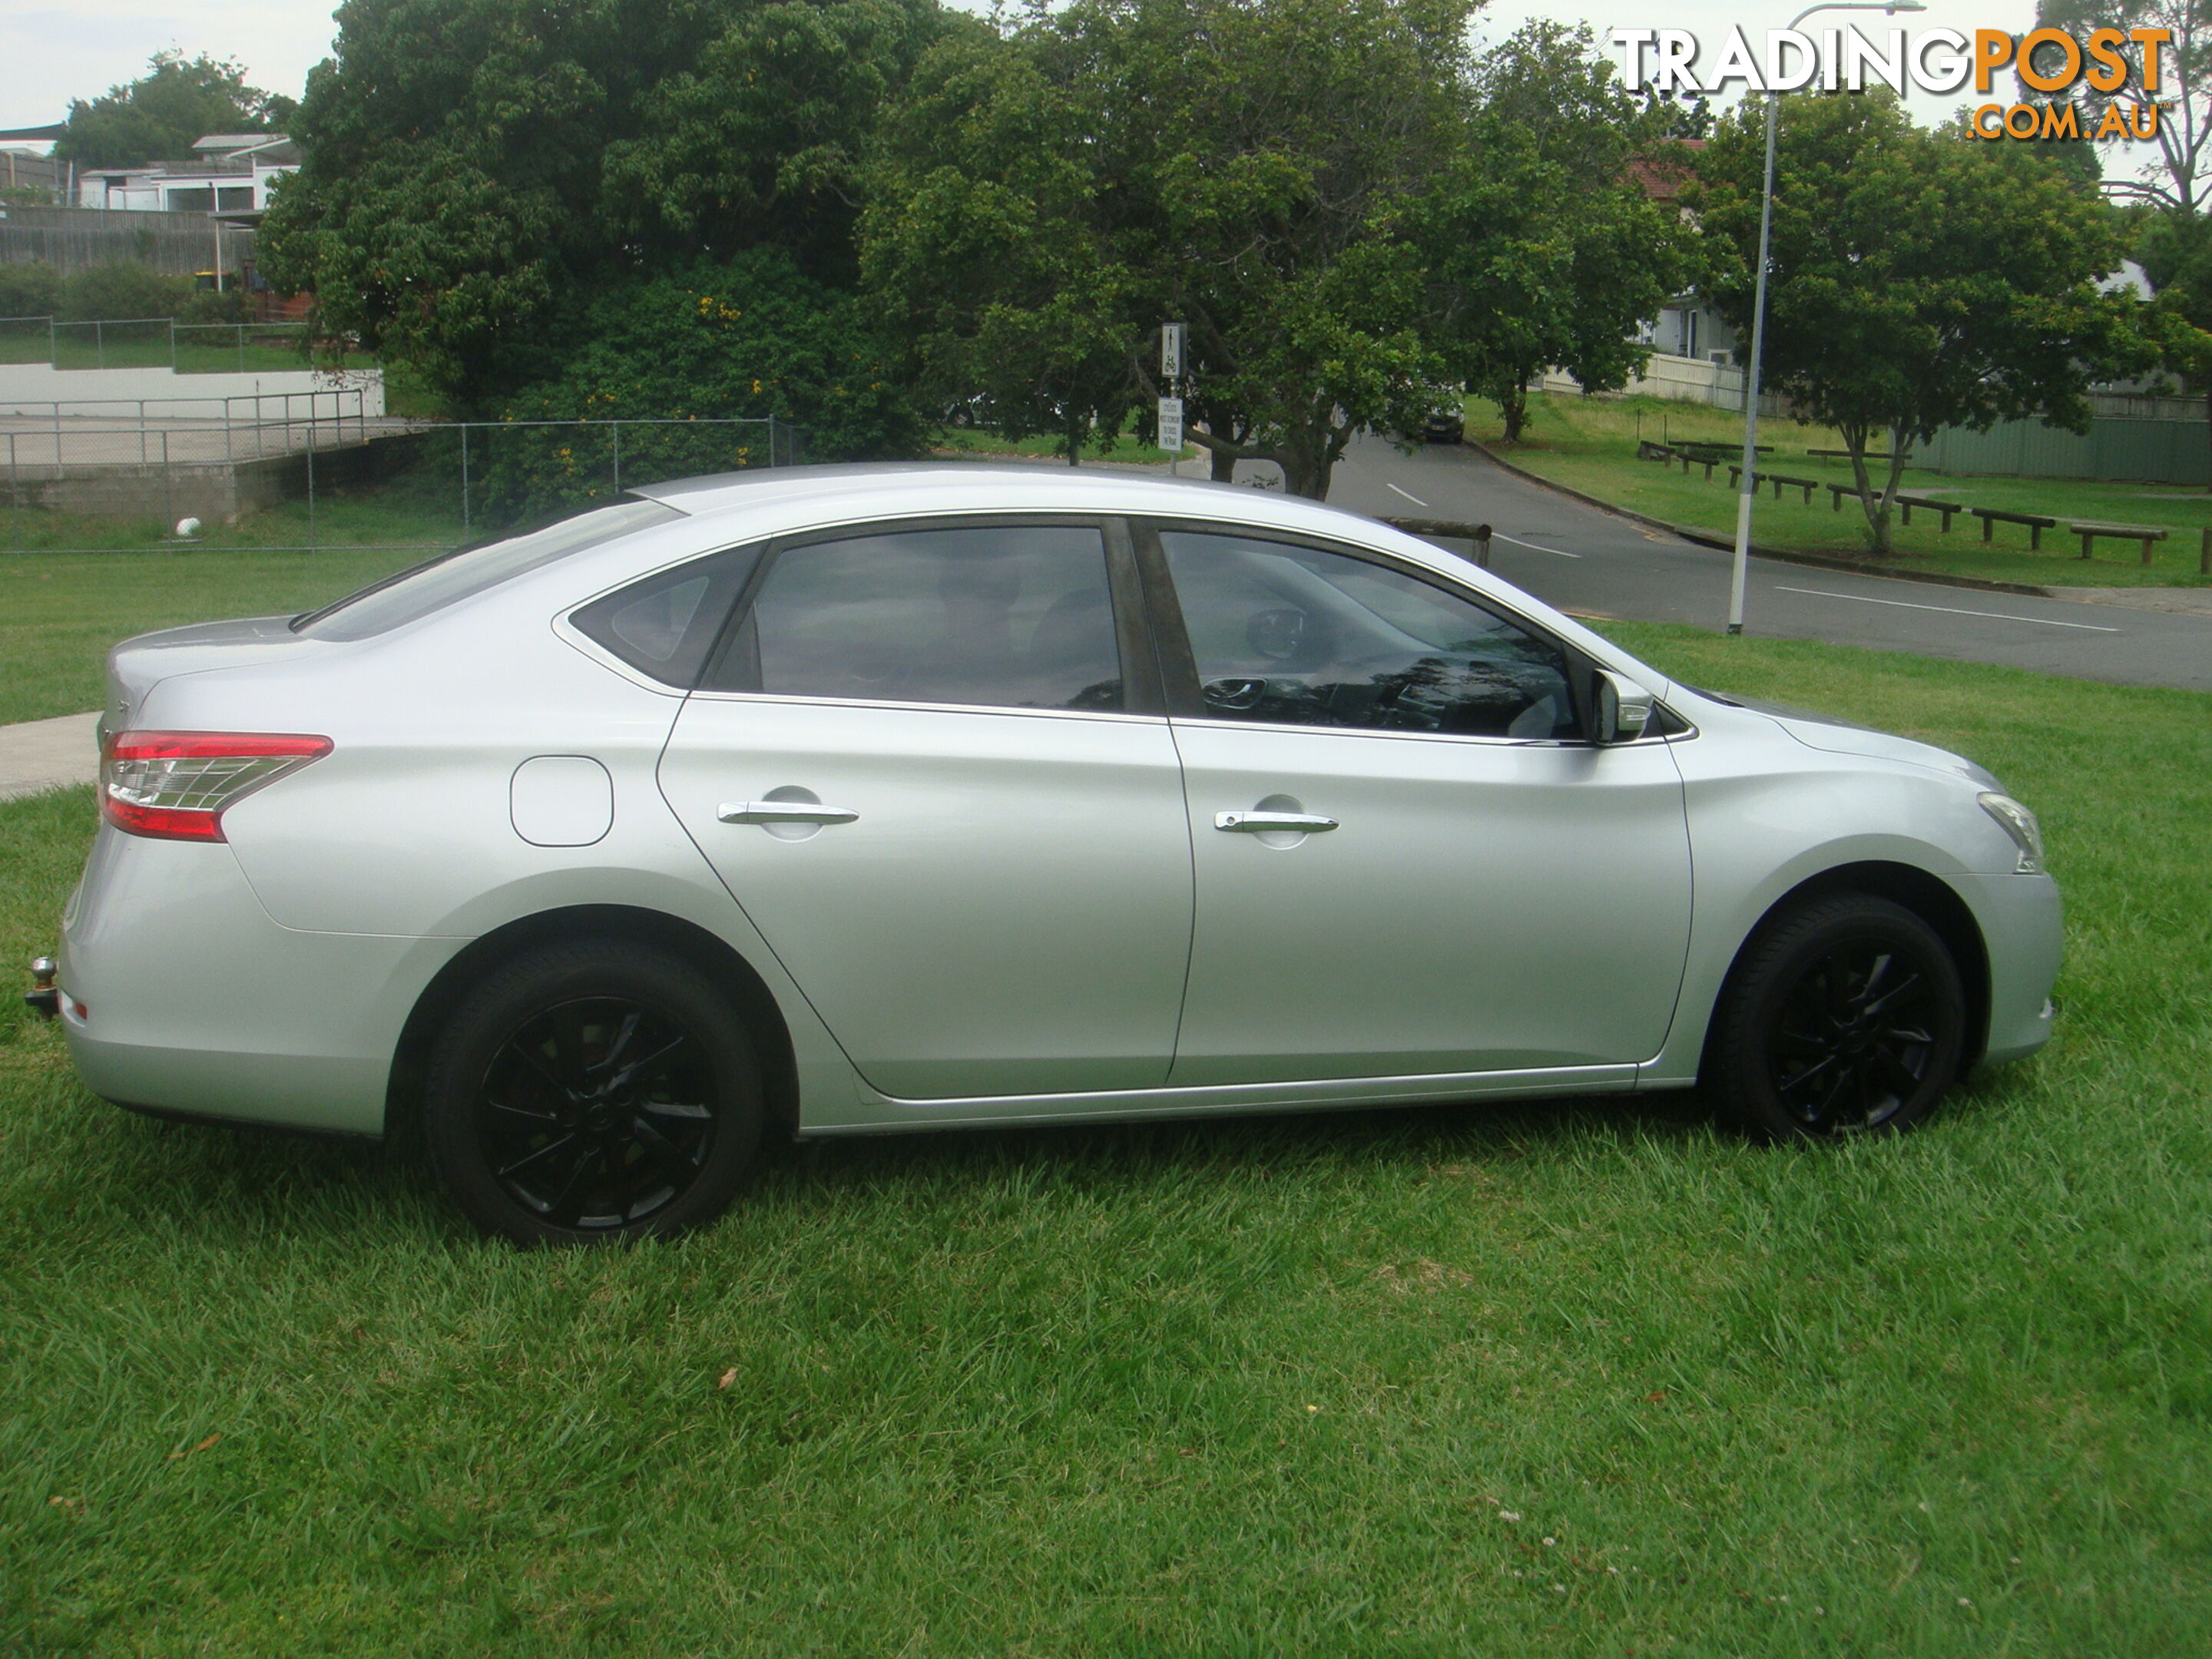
(932, 762)
(1409, 861)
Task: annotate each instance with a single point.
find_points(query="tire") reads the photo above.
(1844, 1017)
(592, 1091)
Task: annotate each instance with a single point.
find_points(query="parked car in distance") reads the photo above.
(864, 800)
(1446, 423)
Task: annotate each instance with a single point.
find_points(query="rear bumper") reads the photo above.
(181, 995)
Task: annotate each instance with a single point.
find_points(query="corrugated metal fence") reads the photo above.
(2115, 447)
(75, 239)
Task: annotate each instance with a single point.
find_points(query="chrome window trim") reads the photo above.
(787, 697)
(569, 634)
(1414, 737)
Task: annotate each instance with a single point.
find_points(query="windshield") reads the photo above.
(413, 594)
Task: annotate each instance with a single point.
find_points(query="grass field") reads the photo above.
(1578, 1379)
(59, 612)
(1590, 444)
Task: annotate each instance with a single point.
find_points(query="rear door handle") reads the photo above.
(782, 811)
(1254, 824)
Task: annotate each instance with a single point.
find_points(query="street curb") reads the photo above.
(1816, 561)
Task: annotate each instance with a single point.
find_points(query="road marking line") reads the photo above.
(1557, 552)
(1948, 609)
(1407, 493)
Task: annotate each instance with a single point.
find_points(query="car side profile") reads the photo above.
(863, 799)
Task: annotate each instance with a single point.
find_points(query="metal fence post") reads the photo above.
(311, 475)
(168, 484)
(618, 426)
(2204, 553)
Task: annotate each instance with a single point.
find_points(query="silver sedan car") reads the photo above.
(905, 798)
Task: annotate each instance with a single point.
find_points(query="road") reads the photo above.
(1581, 558)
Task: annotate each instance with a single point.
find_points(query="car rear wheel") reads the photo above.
(592, 1091)
(1845, 1018)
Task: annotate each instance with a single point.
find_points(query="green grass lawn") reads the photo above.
(1584, 1378)
(59, 612)
(1590, 444)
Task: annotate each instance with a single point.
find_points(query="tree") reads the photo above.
(1545, 245)
(1247, 166)
(161, 115)
(475, 172)
(2178, 179)
(1919, 280)
(2176, 254)
(984, 229)
(746, 339)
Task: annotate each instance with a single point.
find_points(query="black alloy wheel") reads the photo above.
(592, 1091)
(1846, 1017)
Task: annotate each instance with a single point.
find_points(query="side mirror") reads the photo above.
(1623, 709)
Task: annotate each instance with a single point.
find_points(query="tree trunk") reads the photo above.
(1073, 439)
(1221, 465)
(1513, 402)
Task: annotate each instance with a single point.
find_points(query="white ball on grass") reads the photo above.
(188, 528)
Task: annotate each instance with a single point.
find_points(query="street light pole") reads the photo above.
(1740, 574)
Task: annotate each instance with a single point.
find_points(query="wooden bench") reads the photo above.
(1648, 450)
(2145, 533)
(2036, 523)
(1845, 455)
(1837, 493)
(1809, 485)
(1927, 504)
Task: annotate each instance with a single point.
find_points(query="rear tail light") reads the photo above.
(173, 785)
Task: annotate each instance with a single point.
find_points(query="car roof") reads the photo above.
(934, 487)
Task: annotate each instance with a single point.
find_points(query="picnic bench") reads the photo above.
(1809, 485)
(1845, 455)
(2036, 523)
(1837, 493)
(2145, 533)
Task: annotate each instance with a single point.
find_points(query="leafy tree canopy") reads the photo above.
(2176, 176)
(476, 171)
(1919, 280)
(744, 338)
(1546, 248)
(1043, 203)
(2175, 252)
(159, 116)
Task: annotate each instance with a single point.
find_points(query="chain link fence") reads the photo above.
(160, 343)
(217, 459)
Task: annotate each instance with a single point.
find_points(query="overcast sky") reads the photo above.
(50, 53)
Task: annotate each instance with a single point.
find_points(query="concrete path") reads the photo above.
(47, 755)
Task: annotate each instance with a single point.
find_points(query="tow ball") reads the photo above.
(42, 998)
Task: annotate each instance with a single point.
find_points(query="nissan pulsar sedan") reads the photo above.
(908, 798)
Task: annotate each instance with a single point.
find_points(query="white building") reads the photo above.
(229, 174)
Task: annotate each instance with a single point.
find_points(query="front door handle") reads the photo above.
(1258, 823)
(782, 811)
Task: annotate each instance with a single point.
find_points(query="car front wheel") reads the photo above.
(592, 1091)
(1846, 1016)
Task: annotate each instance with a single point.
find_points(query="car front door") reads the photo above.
(1409, 862)
(932, 764)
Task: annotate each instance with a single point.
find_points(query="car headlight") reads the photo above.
(2020, 823)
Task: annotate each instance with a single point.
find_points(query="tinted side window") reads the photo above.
(1297, 636)
(1010, 616)
(664, 625)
